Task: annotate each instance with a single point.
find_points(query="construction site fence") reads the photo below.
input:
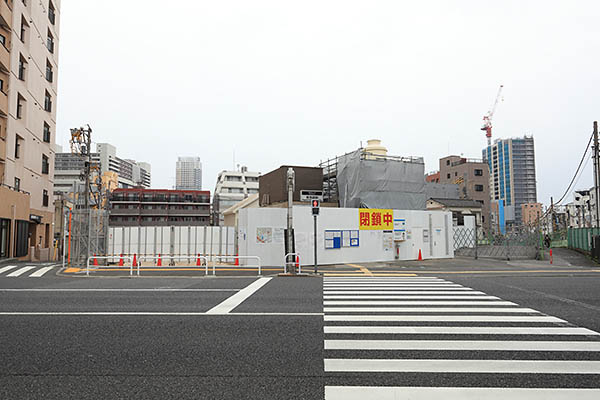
(581, 238)
(517, 242)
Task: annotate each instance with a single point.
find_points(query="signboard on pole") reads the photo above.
(309, 195)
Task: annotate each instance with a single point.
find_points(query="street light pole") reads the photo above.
(290, 224)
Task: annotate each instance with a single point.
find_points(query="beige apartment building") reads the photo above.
(531, 213)
(28, 69)
(472, 177)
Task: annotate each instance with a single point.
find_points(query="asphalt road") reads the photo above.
(70, 337)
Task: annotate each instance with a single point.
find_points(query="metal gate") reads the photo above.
(518, 242)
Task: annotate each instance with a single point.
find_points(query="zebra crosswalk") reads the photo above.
(30, 271)
(429, 338)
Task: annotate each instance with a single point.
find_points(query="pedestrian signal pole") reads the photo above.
(315, 212)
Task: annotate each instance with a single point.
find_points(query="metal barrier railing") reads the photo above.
(173, 258)
(296, 260)
(258, 262)
(130, 262)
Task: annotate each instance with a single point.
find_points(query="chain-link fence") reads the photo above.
(518, 242)
(89, 235)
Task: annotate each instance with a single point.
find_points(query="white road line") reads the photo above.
(464, 366)
(20, 271)
(145, 313)
(400, 288)
(513, 310)
(444, 318)
(417, 303)
(232, 302)
(462, 345)
(7, 268)
(384, 297)
(380, 285)
(40, 272)
(460, 330)
(409, 291)
(383, 280)
(118, 290)
(456, 393)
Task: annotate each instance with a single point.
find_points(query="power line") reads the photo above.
(577, 171)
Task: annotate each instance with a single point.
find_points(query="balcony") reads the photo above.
(153, 211)
(3, 104)
(4, 58)
(5, 15)
(178, 212)
(125, 211)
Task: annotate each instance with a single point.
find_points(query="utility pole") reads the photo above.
(596, 174)
(290, 222)
(315, 213)
(552, 214)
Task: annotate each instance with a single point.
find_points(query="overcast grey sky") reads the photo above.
(282, 82)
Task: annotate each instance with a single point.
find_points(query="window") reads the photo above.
(455, 173)
(447, 162)
(50, 42)
(24, 30)
(20, 106)
(51, 13)
(22, 67)
(478, 172)
(47, 102)
(18, 141)
(17, 184)
(46, 133)
(45, 164)
(45, 198)
(448, 176)
(479, 188)
(3, 40)
(2, 85)
(49, 73)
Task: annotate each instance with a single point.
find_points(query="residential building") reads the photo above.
(159, 207)
(433, 177)
(472, 177)
(232, 187)
(531, 213)
(459, 208)
(512, 175)
(69, 167)
(188, 173)
(579, 213)
(29, 38)
(273, 185)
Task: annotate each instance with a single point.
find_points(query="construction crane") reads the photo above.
(487, 119)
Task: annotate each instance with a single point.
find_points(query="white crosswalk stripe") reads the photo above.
(23, 271)
(392, 326)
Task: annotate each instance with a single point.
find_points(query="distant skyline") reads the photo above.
(295, 83)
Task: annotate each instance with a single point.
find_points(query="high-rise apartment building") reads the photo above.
(188, 173)
(131, 173)
(232, 187)
(28, 70)
(512, 175)
(472, 177)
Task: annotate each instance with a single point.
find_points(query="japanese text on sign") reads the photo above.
(375, 219)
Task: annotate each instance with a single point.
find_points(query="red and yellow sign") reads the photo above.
(375, 219)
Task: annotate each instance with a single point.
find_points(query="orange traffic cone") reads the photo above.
(297, 261)
(95, 260)
(121, 260)
(134, 259)
(237, 260)
(420, 256)
(159, 261)
(198, 262)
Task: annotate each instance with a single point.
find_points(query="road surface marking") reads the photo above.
(146, 313)
(40, 272)
(463, 366)
(7, 268)
(405, 291)
(444, 318)
(20, 271)
(426, 310)
(462, 345)
(419, 297)
(456, 393)
(232, 302)
(417, 303)
(460, 330)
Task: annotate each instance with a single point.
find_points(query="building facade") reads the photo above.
(188, 173)
(29, 38)
(69, 166)
(472, 177)
(232, 187)
(531, 213)
(512, 175)
(158, 207)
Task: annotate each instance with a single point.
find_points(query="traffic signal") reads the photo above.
(315, 207)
